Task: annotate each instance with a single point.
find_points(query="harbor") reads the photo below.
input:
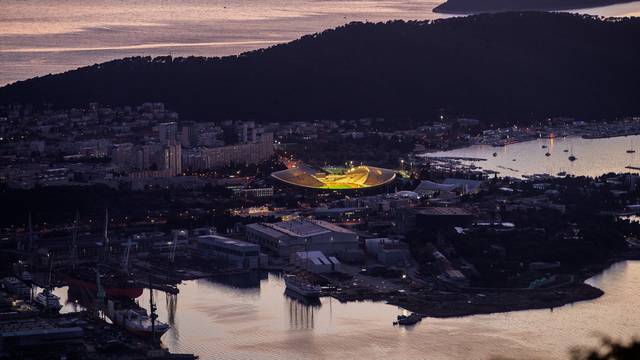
(258, 304)
(594, 156)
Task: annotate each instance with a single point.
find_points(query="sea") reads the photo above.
(39, 37)
(251, 317)
(594, 157)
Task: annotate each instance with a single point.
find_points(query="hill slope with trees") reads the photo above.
(482, 6)
(505, 68)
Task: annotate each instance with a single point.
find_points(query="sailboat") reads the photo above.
(631, 150)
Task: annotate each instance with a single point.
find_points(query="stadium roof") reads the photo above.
(354, 178)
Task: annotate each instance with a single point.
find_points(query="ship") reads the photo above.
(115, 284)
(301, 287)
(48, 301)
(135, 320)
(408, 320)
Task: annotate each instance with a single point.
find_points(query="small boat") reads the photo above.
(572, 157)
(301, 287)
(48, 301)
(408, 320)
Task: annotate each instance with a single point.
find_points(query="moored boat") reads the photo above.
(115, 285)
(136, 320)
(298, 285)
(48, 301)
(408, 320)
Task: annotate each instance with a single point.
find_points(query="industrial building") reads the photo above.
(287, 237)
(231, 252)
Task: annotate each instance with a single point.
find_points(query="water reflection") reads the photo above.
(594, 156)
(301, 310)
(225, 318)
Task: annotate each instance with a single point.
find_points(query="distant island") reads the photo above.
(505, 68)
(489, 6)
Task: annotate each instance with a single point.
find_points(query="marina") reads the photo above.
(591, 157)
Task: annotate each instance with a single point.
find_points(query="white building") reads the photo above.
(315, 261)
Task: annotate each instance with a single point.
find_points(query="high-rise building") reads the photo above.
(173, 159)
(167, 132)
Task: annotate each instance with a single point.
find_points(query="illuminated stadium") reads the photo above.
(358, 177)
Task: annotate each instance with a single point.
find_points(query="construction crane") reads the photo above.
(174, 246)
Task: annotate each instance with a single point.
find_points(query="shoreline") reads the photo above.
(437, 9)
(449, 304)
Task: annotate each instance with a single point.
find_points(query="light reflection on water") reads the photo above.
(594, 156)
(37, 35)
(233, 320)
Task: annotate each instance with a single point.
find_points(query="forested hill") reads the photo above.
(483, 6)
(500, 67)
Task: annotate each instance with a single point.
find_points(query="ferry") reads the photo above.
(295, 284)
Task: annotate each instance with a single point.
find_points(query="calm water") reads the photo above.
(253, 319)
(50, 36)
(595, 156)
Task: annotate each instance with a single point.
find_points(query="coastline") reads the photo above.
(438, 9)
(448, 304)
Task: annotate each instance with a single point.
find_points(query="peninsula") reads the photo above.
(492, 6)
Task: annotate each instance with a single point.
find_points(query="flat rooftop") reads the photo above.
(305, 228)
(222, 240)
(443, 211)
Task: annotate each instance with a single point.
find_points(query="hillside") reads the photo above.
(484, 6)
(505, 68)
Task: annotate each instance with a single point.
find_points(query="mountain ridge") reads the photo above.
(505, 68)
